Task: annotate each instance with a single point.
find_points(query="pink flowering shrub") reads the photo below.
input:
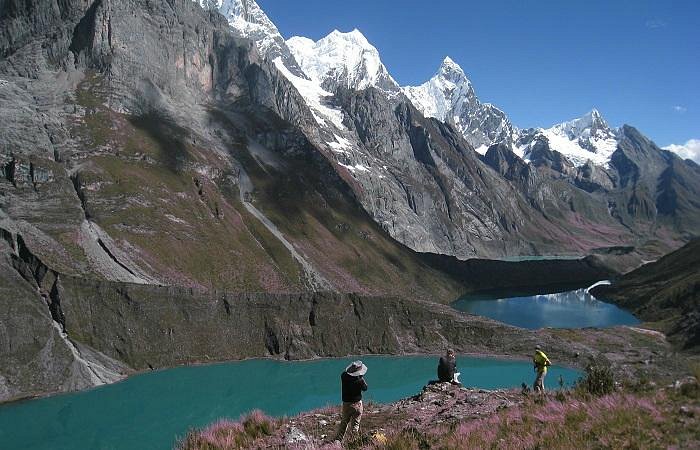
(226, 434)
(616, 420)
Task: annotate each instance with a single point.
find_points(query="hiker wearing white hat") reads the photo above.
(353, 383)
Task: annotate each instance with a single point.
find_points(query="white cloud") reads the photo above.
(680, 109)
(655, 24)
(689, 150)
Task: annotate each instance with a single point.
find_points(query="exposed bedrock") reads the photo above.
(104, 330)
(153, 327)
(37, 355)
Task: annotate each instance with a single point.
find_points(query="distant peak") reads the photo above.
(592, 119)
(593, 115)
(451, 70)
(448, 63)
(342, 58)
(355, 36)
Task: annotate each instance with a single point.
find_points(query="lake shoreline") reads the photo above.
(201, 363)
(576, 364)
(130, 414)
(425, 329)
(551, 307)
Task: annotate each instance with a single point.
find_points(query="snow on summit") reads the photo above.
(437, 96)
(342, 59)
(348, 60)
(449, 96)
(587, 138)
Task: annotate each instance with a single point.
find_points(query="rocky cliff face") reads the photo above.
(178, 163)
(571, 190)
(89, 332)
(37, 354)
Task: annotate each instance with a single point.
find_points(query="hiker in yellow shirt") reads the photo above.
(541, 362)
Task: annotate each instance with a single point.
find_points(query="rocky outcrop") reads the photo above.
(154, 327)
(103, 330)
(37, 355)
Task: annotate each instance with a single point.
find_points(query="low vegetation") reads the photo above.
(596, 413)
(618, 420)
(227, 434)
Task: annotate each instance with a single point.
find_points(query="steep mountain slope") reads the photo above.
(428, 188)
(665, 293)
(173, 155)
(249, 21)
(418, 192)
(124, 160)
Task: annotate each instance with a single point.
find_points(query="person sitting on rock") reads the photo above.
(447, 368)
(540, 362)
(353, 384)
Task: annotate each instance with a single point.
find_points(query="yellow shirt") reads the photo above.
(541, 361)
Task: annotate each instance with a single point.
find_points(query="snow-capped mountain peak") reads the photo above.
(437, 96)
(450, 70)
(354, 36)
(342, 60)
(586, 138)
(449, 96)
(591, 123)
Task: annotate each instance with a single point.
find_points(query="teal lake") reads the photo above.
(149, 411)
(569, 309)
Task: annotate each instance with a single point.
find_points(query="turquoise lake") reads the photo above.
(569, 309)
(149, 411)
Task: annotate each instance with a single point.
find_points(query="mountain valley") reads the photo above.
(180, 184)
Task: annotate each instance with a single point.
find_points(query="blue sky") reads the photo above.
(542, 61)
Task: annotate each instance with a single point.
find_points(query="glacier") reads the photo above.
(347, 60)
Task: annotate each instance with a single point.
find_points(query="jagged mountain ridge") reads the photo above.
(146, 146)
(249, 21)
(450, 96)
(350, 61)
(578, 152)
